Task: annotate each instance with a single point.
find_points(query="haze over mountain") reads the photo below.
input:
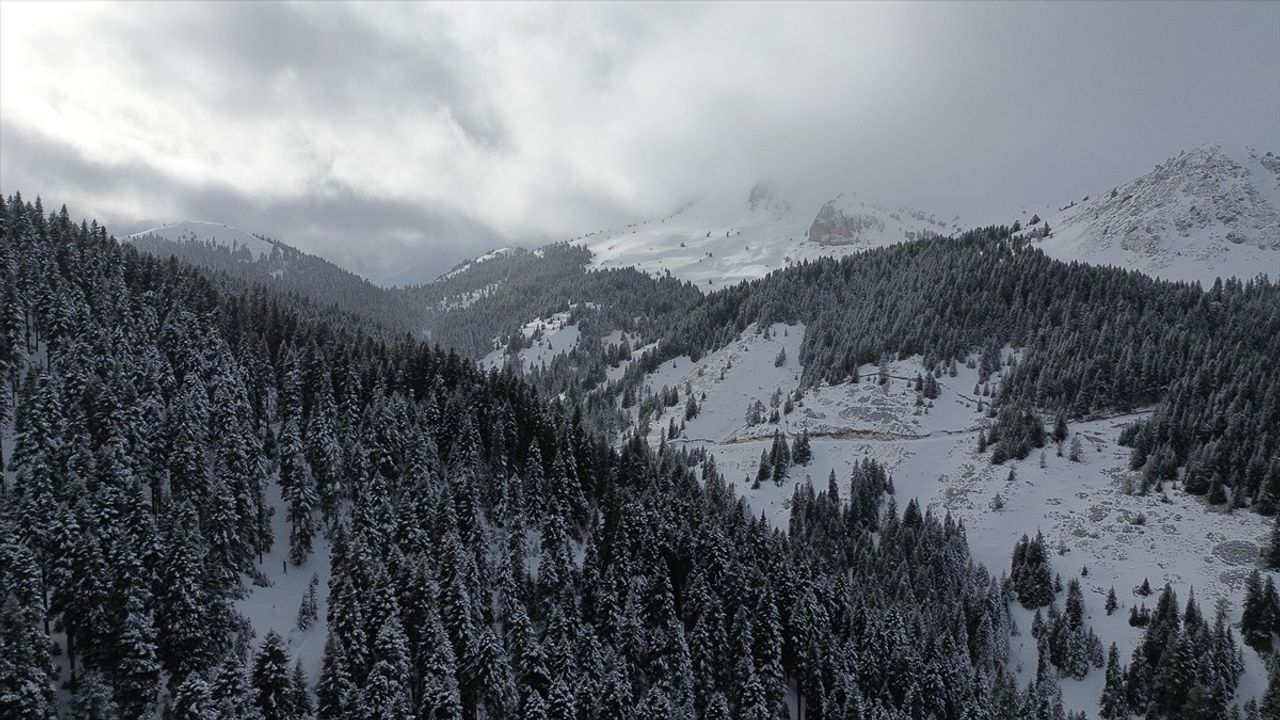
(388, 137)
(1211, 212)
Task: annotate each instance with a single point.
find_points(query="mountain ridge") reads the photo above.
(1210, 212)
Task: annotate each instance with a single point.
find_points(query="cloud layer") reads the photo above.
(380, 134)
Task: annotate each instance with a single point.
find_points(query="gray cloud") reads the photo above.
(376, 237)
(382, 135)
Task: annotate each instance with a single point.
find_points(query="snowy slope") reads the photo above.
(273, 605)
(1210, 212)
(724, 238)
(464, 266)
(1081, 507)
(201, 231)
(549, 336)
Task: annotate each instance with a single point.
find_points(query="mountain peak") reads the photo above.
(1208, 212)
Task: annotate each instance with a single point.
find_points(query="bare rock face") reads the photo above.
(850, 221)
(764, 196)
(834, 226)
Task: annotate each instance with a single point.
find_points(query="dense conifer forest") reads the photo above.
(287, 270)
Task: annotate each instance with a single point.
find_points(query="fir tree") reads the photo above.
(1113, 704)
(385, 695)
(1272, 554)
(137, 671)
(273, 693)
(92, 700)
(193, 700)
(298, 489)
(303, 707)
(309, 609)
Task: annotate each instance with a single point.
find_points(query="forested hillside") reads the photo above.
(490, 557)
(1094, 340)
(486, 301)
(288, 270)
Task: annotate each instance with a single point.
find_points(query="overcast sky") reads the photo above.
(384, 135)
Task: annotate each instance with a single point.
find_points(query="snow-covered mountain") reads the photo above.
(200, 231)
(1211, 212)
(723, 238)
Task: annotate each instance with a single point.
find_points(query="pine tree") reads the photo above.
(303, 707)
(1272, 553)
(187, 639)
(1030, 573)
(385, 695)
(92, 699)
(1254, 627)
(298, 489)
(309, 609)
(1270, 705)
(230, 691)
(931, 389)
(1060, 428)
(486, 675)
(561, 704)
(193, 700)
(801, 452)
(1113, 705)
(765, 470)
(336, 692)
(1137, 683)
(272, 685)
(137, 671)
(26, 685)
(441, 698)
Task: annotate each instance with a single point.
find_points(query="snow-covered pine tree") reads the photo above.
(272, 685)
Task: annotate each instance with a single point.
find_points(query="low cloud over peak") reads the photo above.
(375, 133)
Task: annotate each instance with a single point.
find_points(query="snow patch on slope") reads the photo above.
(1211, 212)
(275, 607)
(551, 336)
(200, 231)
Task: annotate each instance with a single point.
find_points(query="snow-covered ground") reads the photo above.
(275, 607)
(1210, 212)
(724, 238)
(1080, 507)
(201, 231)
(553, 335)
